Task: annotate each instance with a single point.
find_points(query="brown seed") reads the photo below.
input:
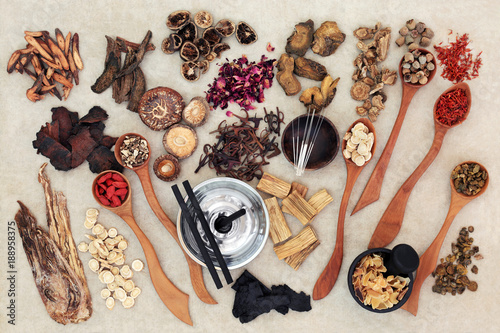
(472, 286)
(474, 269)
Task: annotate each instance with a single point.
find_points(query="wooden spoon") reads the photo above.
(142, 172)
(372, 189)
(175, 300)
(328, 277)
(390, 223)
(429, 259)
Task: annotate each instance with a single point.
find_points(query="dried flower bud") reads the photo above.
(414, 33)
(423, 80)
(429, 57)
(409, 39)
(409, 57)
(412, 46)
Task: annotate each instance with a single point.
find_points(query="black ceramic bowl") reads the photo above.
(326, 145)
(385, 254)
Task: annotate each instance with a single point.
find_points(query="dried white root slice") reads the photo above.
(120, 294)
(113, 285)
(135, 292)
(137, 265)
(94, 265)
(120, 261)
(120, 281)
(129, 285)
(92, 248)
(347, 154)
(115, 270)
(83, 247)
(359, 160)
(103, 235)
(92, 212)
(128, 302)
(108, 277)
(110, 303)
(101, 276)
(123, 245)
(89, 224)
(105, 293)
(90, 237)
(97, 229)
(112, 232)
(125, 270)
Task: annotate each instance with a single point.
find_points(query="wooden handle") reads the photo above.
(328, 277)
(371, 193)
(429, 259)
(390, 223)
(195, 271)
(175, 300)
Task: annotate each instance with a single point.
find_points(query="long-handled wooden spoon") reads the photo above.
(175, 300)
(372, 189)
(429, 259)
(328, 277)
(390, 223)
(142, 172)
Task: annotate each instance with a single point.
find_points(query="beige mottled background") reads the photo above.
(476, 139)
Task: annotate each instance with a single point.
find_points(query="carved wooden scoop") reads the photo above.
(175, 300)
(372, 189)
(390, 223)
(429, 259)
(142, 172)
(328, 277)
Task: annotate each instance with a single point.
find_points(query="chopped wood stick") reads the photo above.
(299, 208)
(296, 244)
(298, 258)
(274, 186)
(301, 189)
(320, 199)
(278, 229)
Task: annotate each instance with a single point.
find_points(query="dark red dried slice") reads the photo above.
(167, 167)
(160, 108)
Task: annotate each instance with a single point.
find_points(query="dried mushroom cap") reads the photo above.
(203, 46)
(225, 27)
(190, 71)
(167, 168)
(360, 91)
(196, 112)
(189, 52)
(160, 108)
(212, 36)
(180, 141)
(167, 46)
(309, 69)
(203, 65)
(327, 39)
(189, 32)
(178, 19)
(301, 39)
(203, 19)
(219, 48)
(245, 34)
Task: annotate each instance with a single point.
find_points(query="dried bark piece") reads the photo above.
(297, 259)
(111, 68)
(296, 244)
(278, 228)
(299, 208)
(301, 39)
(274, 186)
(137, 91)
(327, 39)
(301, 189)
(320, 200)
(309, 69)
(285, 76)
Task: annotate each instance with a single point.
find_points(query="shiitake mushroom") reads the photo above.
(196, 112)
(178, 19)
(189, 32)
(203, 46)
(180, 141)
(212, 36)
(245, 33)
(203, 19)
(225, 27)
(219, 48)
(189, 52)
(167, 167)
(190, 71)
(160, 108)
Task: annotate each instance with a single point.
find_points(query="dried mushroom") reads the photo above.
(196, 112)
(285, 76)
(309, 69)
(301, 39)
(190, 71)
(189, 52)
(160, 108)
(327, 39)
(211, 36)
(312, 98)
(203, 19)
(167, 168)
(189, 32)
(180, 141)
(225, 27)
(203, 46)
(178, 19)
(245, 34)
(219, 48)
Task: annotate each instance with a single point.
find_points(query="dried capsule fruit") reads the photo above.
(167, 167)
(189, 51)
(180, 141)
(203, 19)
(196, 112)
(190, 71)
(211, 36)
(189, 32)
(203, 46)
(225, 27)
(178, 19)
(245, 34)
(160, 108)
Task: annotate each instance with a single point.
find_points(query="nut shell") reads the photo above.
(178, 19)
(160, 108)
(225, 27)
(167, 168)
(180, 141)
(245, 34)
(203, 19)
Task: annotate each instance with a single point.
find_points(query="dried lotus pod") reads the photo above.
(203, 19)
(327, 39)
(167, 167)
(189, 52)
(245, 34)
(211, 36)
(180, 141)
(160, 108)
(225, 27)
(178, 19)
(190, 71)
(196, 112)
(301, 39)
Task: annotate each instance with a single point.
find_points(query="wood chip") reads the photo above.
(274, 186)
(298, 243)
(298, 258)
(301, 189)
(278, 229)
(299, 208)
(320, 199)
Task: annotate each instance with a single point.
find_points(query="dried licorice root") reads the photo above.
(451, 273)
(241, 150)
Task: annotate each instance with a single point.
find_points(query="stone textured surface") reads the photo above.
(273, 20)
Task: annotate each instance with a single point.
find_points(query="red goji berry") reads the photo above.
(117, 177)
(115, 200)
(103, 200)
(104, 177)
(120, 192)
(120, 184)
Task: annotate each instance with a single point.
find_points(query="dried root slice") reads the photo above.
(299, 208)
(120, 294)
(298, 258)
(278, 229)
(97, 229)
(301, 189)
(320, 200)
(135, 292)
(92, 212)
(298, 243)
(137, 265)
(129, 286)
(274, 186)
(108, 277)
(89, 223)
(167, 167)
(110, 303)
(105, 293)
(180, 141)
(126, 272)
(128, 302)
(113, 286)
(112, 232)
(298, 43)
(122, 245)
(83, 247)
(94, 265)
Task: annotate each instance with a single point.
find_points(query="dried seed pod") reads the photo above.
(178, 19)
(203, 46)
(225, 27)
(211, 36)
(327, 39)
(245, 34)
(203, 19)
(160, 108)
(189, 52)
(190, 71)
(196, 112)
(180, 141)
(167, 167)
(301, 39)
(189, 32)
(428, 33)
